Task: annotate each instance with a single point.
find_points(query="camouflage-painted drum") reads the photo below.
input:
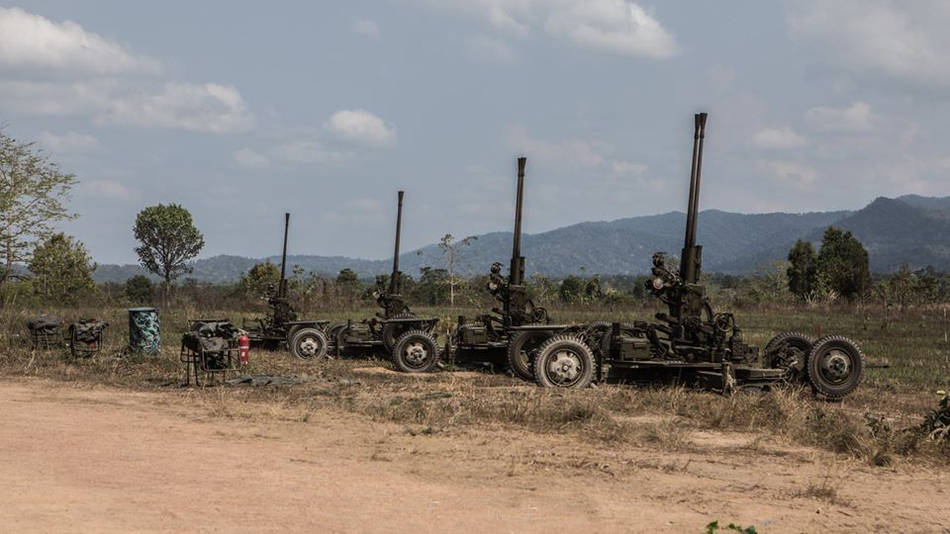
(145, 332)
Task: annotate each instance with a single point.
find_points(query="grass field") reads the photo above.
(913, 345)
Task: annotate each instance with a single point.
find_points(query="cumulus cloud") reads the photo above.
(617, 26)
(855, 118)
(366, 28)
(69, 142)
(903, 41)
(197, 107)
(361, 127)
(777, 138)
(30, 41)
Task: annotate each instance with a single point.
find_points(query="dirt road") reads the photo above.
(102, 460)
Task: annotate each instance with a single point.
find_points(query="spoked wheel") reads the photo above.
(415, 351)
(393, 331)
(520, 349)
(309, 343)
(835, 366)
(564, 362)
(789, 351)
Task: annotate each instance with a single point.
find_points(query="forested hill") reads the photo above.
(911, 229)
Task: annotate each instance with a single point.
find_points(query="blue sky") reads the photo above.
(241, 111)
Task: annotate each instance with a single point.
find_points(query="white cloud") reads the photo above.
(855, 118)
(361, 127)
(198, 107)
(69, 142)
(366, 28)
(489, 50)
(617, 26)
(112, 189)
(574, 152)
(30, 41)
(904, 41)
(777, 138)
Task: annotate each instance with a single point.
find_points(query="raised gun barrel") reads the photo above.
(395, 284)
(516, 269)
(282, 285)
(691, 259)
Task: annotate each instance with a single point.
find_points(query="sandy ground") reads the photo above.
(101, 460)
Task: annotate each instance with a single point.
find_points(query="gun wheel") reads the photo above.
(835, 366)
(393, 331)
(789, 351)
(415, 351)
(520, 350)
(309, 343)
(564, 361)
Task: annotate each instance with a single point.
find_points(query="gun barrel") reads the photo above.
(282, 287)
(394, 282)
(516, 270)
(688, 267)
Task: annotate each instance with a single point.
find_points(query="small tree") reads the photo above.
(259, 279)
(802, 269)
(32, 195)
(451, 249)
(169, 240)
(571, 289)
(62, 270)
(139, 289)
(347, 280)
(844, 262)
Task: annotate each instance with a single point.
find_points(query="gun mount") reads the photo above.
(390, 299)
(692, 343)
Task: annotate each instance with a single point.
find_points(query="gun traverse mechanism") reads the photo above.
(691, 343)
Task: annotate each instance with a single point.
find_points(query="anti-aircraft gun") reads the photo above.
(306, 339)
(410, 341)
(506, 336)
(691, 343)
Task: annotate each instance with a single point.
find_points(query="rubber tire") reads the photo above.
(519, 361)
(389, 333)
(549, 348)
(303, 333)
(333, 335)
(415, 336)
(818, 383)
(801, 341)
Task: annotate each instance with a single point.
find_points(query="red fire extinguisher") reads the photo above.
(244, 346)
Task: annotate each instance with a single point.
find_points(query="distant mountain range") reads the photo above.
(910, 229)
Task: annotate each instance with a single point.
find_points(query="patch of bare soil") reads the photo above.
(105, 460)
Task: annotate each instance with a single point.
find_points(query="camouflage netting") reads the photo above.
(87, 330)
(145, 332)
(937, 424)
(44, 325)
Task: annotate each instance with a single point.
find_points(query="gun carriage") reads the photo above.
(408, 340)
(506, 336)
(692, 343)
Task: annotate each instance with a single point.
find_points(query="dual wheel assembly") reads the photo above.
(832, 366)
(413, 351)
(561, 361)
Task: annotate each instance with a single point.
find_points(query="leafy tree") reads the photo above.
(451, 249)
(432, 285)
(33, 192)
(62, 270)
(571, 289)
(844, 262)
(347, 278)
(259, 279)
(803, 269)
(139, 289)
(169, 240)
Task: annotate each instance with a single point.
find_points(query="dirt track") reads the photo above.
(107, 461)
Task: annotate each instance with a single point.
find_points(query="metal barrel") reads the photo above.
(282, 287)
(516, 270)
(689, 259)
(394, 281)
